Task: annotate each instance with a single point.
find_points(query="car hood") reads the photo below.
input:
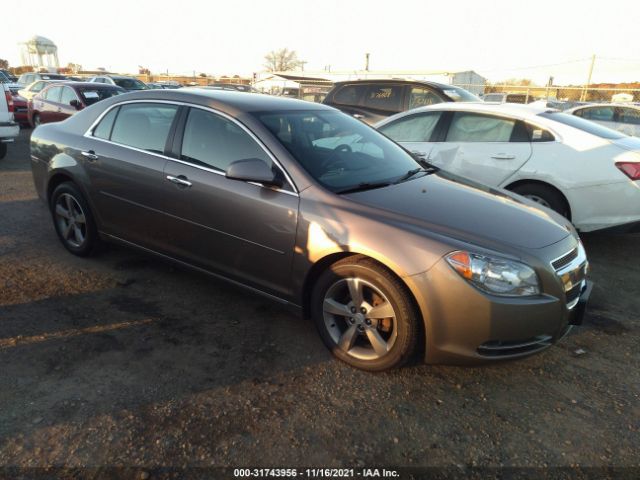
(467, 211)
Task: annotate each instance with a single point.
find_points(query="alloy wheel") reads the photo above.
(71, 220)
(539, 200)
(359, 318)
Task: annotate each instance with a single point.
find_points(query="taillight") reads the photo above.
(9, 97)
(630, 169)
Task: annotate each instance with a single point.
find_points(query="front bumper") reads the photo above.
(464, 325)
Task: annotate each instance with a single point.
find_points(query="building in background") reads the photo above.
(39, 52)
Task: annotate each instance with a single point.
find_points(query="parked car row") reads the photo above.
(9, 128)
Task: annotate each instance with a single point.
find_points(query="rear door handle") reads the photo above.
(503, 156)
(358, 116)
(180, 180)
(90, 155)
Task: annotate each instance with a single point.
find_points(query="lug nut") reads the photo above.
(363, 310)
(352, 320)
(368, 321)
(353, 309)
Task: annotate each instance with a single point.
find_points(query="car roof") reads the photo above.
(396, 81)
(515, 109)
(234, 102)
(598, 105)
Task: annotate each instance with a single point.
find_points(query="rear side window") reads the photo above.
(53, 94)
(420, 97)
(384, 97)
(213, 141)
(414, 128)
(538, 134)
(349, 94)
(67, 95)
(144, 126)
(475, 127)
(584, 125)
(630, 115)
(103, 130)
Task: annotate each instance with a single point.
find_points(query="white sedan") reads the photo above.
(587, 172)
(624, 118)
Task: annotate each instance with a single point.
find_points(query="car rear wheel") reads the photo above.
(545, 196)
(36, 120)
(73, 220)
(365, 315)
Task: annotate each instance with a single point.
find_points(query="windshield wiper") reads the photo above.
(364, 186)
(427, 168)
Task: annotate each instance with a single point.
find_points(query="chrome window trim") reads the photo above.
(89, 134)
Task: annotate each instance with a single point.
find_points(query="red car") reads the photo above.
(20, 107)
(58, 101)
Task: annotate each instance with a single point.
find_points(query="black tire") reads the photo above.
(553, 199)
(89, 232)
(3, 150)
(36, 120)
(407, 323)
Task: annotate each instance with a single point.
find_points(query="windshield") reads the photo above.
(338, 151)
(458, 94)
(130, 83)
(91, 95)
(584, 125)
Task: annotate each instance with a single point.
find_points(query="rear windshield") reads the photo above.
(458, 94)
(91, 95)
(584, 125)
(52, 76)
(130, 83)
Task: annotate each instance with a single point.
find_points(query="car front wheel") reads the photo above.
(365, 315)
(73, 220)
(545, 196)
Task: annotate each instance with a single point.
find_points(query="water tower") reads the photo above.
(39, 52)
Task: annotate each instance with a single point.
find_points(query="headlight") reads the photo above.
(497, 276)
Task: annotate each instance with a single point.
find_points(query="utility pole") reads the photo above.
(583, 97)
(366, 62)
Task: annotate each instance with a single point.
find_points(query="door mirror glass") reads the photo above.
(75, 104)
(253, 170)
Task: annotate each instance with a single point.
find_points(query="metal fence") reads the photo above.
(566, 94)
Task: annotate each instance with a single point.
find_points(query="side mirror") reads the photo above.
(253, 170)
(76, 104)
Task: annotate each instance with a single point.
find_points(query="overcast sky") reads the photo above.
(499, 39)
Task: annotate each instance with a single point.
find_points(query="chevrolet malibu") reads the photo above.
(389, 256)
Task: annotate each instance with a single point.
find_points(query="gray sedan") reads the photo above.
(390, 257)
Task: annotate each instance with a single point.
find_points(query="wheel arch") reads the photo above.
(525, 181)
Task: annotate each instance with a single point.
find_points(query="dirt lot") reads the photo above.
(123, 360)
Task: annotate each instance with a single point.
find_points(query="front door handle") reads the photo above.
(503, 156)
(90, 155)
(180, 180)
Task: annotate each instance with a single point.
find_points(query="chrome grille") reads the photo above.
(565, 260)
(571, 269)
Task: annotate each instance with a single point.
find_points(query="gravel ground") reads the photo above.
(123, 360)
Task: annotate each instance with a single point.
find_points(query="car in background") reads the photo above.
(508, 98)
(373, 100)
(390, 258)
(31, 90)
(28, 78)
(59, 101)
(8, 75)
(130, 84)
(20, 105)
(624, 118)
(582, 170)
(9, 129)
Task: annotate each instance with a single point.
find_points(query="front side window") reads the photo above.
(338, 151)
(421, 97)
(215, 142)
(384, 97)
(53, 94)
(475, 127)
(144, 126)
(413, 128)
(68, 95)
